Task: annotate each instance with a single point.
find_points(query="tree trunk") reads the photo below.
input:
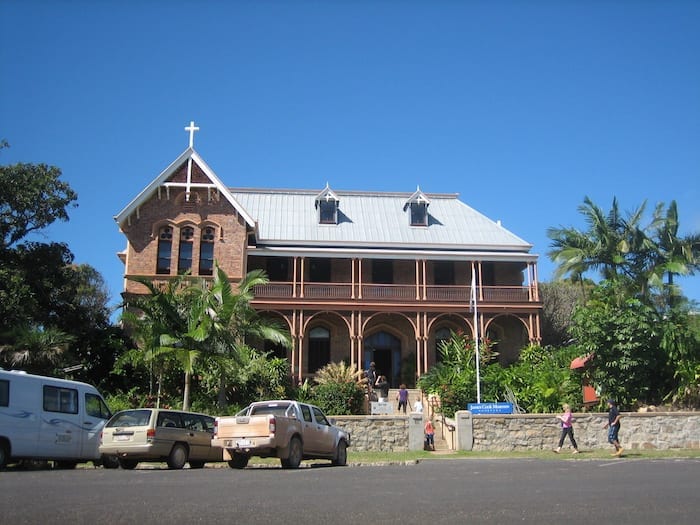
(186, 395)
(221, 401)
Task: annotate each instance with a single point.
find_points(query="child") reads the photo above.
(566, 429)
(429, 435)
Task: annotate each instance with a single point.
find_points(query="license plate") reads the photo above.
(244, 443)
(122, 437)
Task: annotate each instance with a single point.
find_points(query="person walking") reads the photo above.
(402, 397)
(567, 429)
(613, 426)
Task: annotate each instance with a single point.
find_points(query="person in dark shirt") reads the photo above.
(382, 386)
(613, 426)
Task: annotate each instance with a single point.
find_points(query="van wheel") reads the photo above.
(238, 461)
(128, 464)
(341, 454)
(196, 464)
(296, 453)
(110, 461)
(65, 465)
(4, 454)
(177, 457)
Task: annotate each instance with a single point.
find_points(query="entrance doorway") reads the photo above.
(385, 350)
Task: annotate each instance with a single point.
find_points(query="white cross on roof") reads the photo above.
(191, 128)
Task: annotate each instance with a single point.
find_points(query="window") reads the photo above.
(320, 417)
(306, 413)
(319, 348)
(165, 246)
(419, 214)
(206, 252)
(4, 393)
(444, 273)
(63, 400)
(184, 263)
(95, 407)
(327, 205)
(320, 270)
(169, 419)
(328, 212)
(382, 271)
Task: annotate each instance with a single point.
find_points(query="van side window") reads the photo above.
(96, 407)
(169, 419)
(4, 393)
(63, 400)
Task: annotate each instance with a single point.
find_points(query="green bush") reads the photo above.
(339, 399)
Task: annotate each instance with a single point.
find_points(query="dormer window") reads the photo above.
(417, 204)
(419, 214)
(328, 212)
(327, 206)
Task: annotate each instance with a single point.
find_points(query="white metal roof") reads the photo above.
(366, 219)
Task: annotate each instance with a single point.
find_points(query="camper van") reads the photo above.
(44, 418)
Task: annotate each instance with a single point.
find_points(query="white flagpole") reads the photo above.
(476, 335)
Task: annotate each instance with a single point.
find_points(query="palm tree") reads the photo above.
(231, 320)
(610, 244)
(169, 322)
(38, 349)
(672, 254)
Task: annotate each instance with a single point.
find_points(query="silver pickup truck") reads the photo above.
(288, 430)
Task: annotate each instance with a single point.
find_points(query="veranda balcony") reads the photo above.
(408, 293)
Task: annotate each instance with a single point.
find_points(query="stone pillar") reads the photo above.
(415, 431)
(464, 430)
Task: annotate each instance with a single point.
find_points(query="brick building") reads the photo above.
(356, 276)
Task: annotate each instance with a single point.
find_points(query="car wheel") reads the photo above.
(177, 457)
(65, 465)
(110, 461)
(296, 452)
(239, 461)
(4, 455)
(341, 454)
(196, 464)
(128, 464)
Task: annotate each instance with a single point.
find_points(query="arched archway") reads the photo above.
(384, 349)
(508, 335)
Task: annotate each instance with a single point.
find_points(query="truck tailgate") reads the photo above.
(243, 427)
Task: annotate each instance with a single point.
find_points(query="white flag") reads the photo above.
(472, 298)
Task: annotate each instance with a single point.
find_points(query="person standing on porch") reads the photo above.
(402, 397)
(382, 386)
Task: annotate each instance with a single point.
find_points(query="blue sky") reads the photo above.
(521, 107)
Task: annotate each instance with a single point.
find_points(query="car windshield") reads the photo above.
(130, 418)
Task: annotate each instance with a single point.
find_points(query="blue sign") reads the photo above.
(490, 408)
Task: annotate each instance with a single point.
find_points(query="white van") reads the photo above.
(45, 418)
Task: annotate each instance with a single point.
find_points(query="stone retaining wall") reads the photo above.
(656, 430)
(660, 430)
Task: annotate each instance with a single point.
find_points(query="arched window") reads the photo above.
(165, 248)
(206, 251)
(184, 262)
(319, 348)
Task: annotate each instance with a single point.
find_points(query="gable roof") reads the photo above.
(162, 180)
